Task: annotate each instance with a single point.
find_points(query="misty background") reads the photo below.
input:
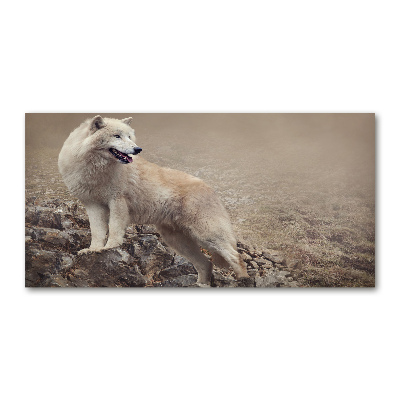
(321, 141)
(303, 183)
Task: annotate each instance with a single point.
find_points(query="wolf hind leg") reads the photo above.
(188, 248)
(226, 256)
(216, 236)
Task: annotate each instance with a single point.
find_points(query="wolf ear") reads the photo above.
(97, 123)
(127, 121)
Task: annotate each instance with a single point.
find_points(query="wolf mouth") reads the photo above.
(124, 158)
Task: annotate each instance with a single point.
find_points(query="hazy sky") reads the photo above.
(291, 142)
(279, 129)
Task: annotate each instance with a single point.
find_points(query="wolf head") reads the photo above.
(114, 138)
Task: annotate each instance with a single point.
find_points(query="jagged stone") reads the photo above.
(221, 280)
(260, 261)
(70, 240)
(56, 281)
(294, 264)
(151, 254)
(147, 229)
(109, 268)
(40, 264)
(243, 247)
(51, 236)
(180, 281)
(274, 256)
(56, 231)
(43, 216)
(283, 274)
(253, 272)
(267, 281)
(177, 270)
(253, 264)
(268, 264)
(246, 282)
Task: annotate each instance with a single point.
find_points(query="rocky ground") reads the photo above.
(56, 230)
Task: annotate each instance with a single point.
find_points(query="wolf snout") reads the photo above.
(137, 150)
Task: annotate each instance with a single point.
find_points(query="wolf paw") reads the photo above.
(90, 250)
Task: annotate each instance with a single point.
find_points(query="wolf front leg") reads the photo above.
(119, 221)
(98, 219)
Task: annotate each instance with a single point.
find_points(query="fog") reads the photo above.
(294, 141)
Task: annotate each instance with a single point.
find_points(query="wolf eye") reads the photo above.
(117, 136)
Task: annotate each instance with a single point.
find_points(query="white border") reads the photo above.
(200, 57)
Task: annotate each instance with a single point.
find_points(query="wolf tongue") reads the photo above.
(125, 157)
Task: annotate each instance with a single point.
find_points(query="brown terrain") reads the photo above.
(303, 184)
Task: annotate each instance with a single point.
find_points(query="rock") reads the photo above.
(66, 261)
(283, 274)
(180, 281)
(151, 255)
(267, 281)
(275, 278)
(49, 203)
(243, 247)
(253, 265)
(246, 282)
(294, 264)
(40, 264)
(56, 230)
(67, 223)
(253, 272)
(147, 229)
(109, 268)
(220, 280)
(274, 256)
(260, 261)
(69, 240)
(62, 217)
(177, 270)
(29, 232)
(268, 264)
(80, 239)
(56, 281)
(43, 216)
(51, 236)
(181, 261)
(30, 201)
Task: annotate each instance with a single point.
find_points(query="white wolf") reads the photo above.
(99, 165)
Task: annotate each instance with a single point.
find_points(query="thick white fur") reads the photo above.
(186, 211)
